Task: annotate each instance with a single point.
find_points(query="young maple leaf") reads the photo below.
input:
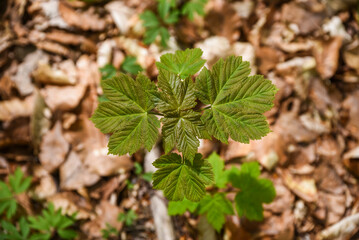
(254, 191)
(180, 178)
(237, 101)
(127, 114)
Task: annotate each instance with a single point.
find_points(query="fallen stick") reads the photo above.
(341, 230)
(163, 223)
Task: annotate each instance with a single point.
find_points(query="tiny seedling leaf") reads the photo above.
(254, 191)
(192, 7)
(216, 207)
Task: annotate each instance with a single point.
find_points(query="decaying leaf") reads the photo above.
(53, 149)
(85, 21)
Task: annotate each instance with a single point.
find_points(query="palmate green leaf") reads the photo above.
(149, 19)
(237, 101)
(254, 191)
(183, 63)
(180, 207)
(192, 7)
(164, 7)
(183, 130)
(216, 207)
(7, 200)
(181, 179)
(12, 233)
(176, 94)
(52, 220)
(18, 182)
(127, 114)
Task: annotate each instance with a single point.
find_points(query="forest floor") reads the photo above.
(50, 55)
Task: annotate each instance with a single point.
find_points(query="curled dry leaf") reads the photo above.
(352, 104)
(343, 229)
(71, 203)
(351, 161)
(326, 54)
(53, 148)
(302, 186)
(47, 75)
(55, 48)
(72, 39)
(14, 108)
(67, 97)
(84, 21)
(351, 55)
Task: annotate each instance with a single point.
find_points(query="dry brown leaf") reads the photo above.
(351, 55)
(53, 149)
(68, 97)
(22, 78)
(304, 187)
(75, 175)
(106, 213)
(289, 126)
(352, 104)
(268, 58)
(84, 21)
(47, 75)
(326, 54)
(72, 39)
(120, 14)
(351, 161)
(224, 21)
(284, 198)
(46, 187)
(305, 20)
(55, 48)
(71, 203)
(16, 108)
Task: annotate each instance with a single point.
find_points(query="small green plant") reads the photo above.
(109, 232)
(52, 223)
(139, 172)
(127, 218)
(232, 104)
(168, 14)
(253, 191)
(17, 184)
(11, 232)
